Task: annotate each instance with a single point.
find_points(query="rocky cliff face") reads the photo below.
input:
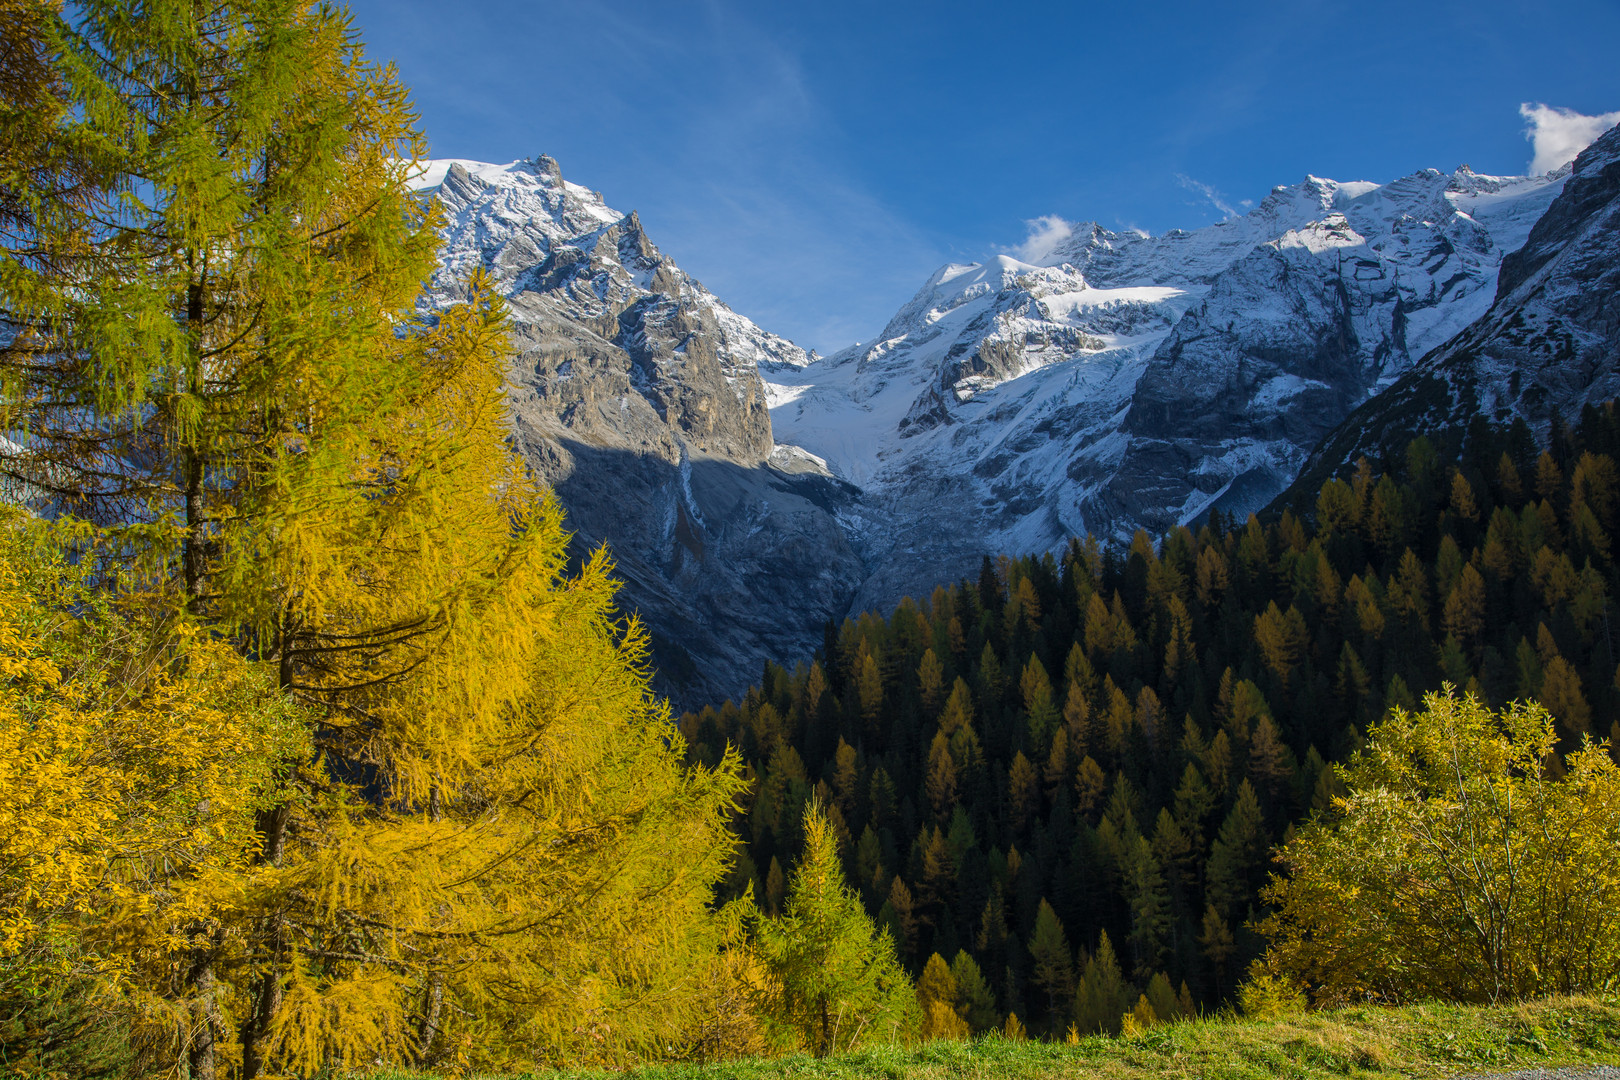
(637, 396)
(1548, 346)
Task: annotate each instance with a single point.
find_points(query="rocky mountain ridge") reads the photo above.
(1548, 346)
(750, 490)
(1129, 381)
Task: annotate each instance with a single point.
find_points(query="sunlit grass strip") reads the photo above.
(1414, 1041)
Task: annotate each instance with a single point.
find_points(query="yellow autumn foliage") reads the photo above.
(1459, 865)
(121, 788)
(337, 754)
(135, 758)
(502, 856)
(497, 855)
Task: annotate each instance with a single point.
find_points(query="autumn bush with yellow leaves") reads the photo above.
(1466, 862)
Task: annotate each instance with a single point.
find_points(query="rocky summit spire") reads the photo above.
(547, 167)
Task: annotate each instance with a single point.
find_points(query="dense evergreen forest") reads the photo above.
(1069, 774)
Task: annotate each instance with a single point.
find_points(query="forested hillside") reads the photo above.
(1068, 775)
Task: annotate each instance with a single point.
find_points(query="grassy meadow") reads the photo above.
(1431, 1040)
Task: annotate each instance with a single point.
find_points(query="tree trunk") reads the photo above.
(273, 826)
(430, 1020)
(191, 547)
(267, 1000)
(200, 1050)
(265, 1006)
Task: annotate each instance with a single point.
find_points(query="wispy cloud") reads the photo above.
(1045, 234)
(1213, 197)
(1557, 135)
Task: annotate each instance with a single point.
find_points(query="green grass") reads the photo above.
(1416, 1041)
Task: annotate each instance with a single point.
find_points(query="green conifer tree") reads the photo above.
(975, 1001)
(1150, 910)
(836, 980)
(1053, 972)
(1237, 858)
(1103, 997)
(1160, 995)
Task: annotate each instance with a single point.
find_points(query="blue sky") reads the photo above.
(812, 163)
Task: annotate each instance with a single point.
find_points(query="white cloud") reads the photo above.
(1216, 199)
(1559, 134)
(1045, 234)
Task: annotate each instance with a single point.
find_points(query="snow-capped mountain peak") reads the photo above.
(533, 231)
(1127, 380)
(636, 396)
(1114, 381)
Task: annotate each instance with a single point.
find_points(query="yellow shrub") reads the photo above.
(1458, 865)
(1266, 997)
